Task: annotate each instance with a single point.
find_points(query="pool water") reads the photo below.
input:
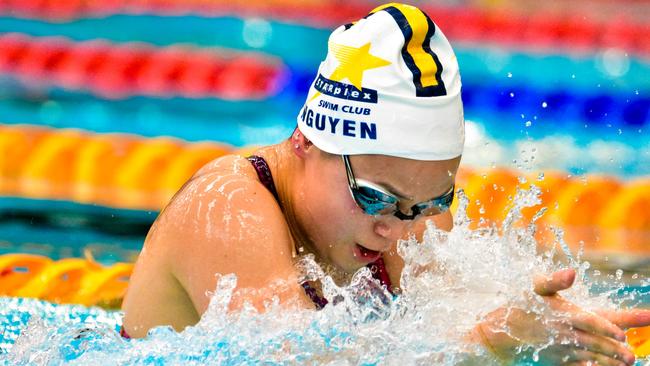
(574, 111)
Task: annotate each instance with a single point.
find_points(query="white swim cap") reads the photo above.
(389, 85)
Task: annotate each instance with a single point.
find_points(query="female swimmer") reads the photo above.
(375, 154)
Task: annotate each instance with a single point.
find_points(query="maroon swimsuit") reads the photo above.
(377, 268)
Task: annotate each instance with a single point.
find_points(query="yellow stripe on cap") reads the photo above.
(418, 30)
(423, 60)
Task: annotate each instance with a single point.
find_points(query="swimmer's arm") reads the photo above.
(214, 224)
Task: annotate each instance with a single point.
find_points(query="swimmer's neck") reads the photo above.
(287, 169)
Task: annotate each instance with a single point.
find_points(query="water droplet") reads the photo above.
(529, 123)
(544, 104)
(509, 74)
(619, 274)
(512, 95)
(540, 177)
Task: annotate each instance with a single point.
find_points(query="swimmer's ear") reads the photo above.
(300, 144)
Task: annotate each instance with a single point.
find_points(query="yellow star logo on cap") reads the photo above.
(353, 61)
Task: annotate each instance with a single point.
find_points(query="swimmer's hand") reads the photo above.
(624, 319)
(565, 334)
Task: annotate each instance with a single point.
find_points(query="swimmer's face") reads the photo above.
(342, 233)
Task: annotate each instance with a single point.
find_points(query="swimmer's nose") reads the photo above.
(382, 229)
(389, 229)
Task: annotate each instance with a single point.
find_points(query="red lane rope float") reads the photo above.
(459, 23)
(118, 71)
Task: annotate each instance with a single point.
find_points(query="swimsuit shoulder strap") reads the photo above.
(264, 174)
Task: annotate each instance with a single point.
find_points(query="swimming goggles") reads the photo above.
(375, 200)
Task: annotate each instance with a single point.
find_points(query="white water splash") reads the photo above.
(450, 282)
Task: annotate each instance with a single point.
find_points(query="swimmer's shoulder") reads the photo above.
(224, 187)
(228, 164)
(225, 214)
(212, 180)
(223, 221)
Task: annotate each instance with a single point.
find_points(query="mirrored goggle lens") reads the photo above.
(373, 202)
(437, 205)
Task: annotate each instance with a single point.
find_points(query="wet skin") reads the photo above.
(224, 221)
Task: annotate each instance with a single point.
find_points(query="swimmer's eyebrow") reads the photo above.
(396, 192)
(393, 190)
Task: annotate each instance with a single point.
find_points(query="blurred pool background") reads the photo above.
(108, 106)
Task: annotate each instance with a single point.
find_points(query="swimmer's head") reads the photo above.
(389, 85)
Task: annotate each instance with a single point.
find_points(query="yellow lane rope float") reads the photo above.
(66, 281)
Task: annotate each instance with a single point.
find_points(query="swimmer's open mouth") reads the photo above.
(368, 253)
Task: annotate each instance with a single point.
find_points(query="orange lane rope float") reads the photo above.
(639, 340)
(67, 281)
(127, 171)
(602, 212)
(116, 170)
